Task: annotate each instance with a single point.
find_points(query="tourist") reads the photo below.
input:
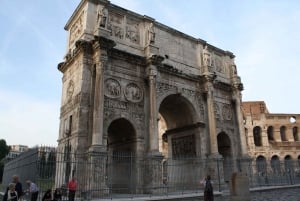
(47, 196)
(72, 187)
(18, 186)
(12, 194)
(208, 189)
(57, 195)
(33, 190)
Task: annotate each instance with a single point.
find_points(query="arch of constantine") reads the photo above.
(135, 87)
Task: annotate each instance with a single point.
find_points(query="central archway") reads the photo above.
(180, 134)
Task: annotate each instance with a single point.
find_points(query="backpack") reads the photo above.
(208, 187)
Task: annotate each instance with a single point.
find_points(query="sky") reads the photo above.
(264, 35)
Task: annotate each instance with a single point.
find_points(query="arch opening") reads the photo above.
(224, 148)
(121, 145)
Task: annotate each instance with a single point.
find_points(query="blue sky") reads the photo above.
(263, 34)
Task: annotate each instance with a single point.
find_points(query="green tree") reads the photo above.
(4, 149)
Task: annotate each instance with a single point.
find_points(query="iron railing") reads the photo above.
(123, 174)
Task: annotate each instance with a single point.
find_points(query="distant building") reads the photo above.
(15, 151)
(272, 139)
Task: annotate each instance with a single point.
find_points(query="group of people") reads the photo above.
(14, 191)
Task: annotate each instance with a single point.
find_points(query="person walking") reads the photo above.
(208, 189)
(72, 187)
(33, 190)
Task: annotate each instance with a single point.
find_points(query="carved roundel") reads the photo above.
(227, 112)
(112, 88)
(133, 93)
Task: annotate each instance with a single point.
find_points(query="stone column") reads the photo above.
(102, 46)
(211, 116)
(97, 138)
(237, 88)
(153, 113)
(153, 61)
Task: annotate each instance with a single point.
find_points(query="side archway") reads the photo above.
(225, 149)
(121, 147)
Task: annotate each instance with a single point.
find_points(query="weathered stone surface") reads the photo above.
(128, 79)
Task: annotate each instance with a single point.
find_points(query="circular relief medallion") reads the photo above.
(227, 112)
(112, 88)
(133, 93)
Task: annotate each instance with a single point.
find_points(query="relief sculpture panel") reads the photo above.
(112, 88)
(132, 31)
(227, 112)
(76, 29)
(184, 146)
(115, 25)
(133, 93)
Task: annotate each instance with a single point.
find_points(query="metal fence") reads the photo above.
(126, 175)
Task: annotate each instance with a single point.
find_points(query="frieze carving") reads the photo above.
(189, 92)
(70, 90)
(108, 114)
(161, 88)
(115, 104)
(112, 88)
(217, 111)
(71, 104)
(76, 29)
(184, 146)
(133, 93)
(227, 112)
(115, 25)
(139, 118)
(132, 31)
(219, 65)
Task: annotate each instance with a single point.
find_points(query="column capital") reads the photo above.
(151, 71)
(155, 60)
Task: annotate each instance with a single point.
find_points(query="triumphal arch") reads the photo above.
(133, 86)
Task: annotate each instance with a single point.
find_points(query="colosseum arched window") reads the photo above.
(257, 136)
(295, 134)
(270, 133)
(261, 165)
(275, 164)
(283, 133)
(288, 163)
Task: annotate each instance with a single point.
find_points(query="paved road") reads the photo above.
(277, 195)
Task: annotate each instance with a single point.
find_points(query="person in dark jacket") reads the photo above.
(47, 196)
(18, 186)
(57, 195)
